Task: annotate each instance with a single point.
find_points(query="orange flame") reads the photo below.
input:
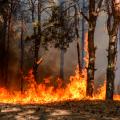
(41, 93)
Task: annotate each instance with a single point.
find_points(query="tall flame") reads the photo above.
(42, 93)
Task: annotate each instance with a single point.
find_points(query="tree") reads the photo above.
(94, 9)
(3, 31)
(7, 11)
(37, 30)
(113, 22)
(32, 4)
(22, 51)
(60, 30)
(37, 41)
(78, 37)
(10, 11)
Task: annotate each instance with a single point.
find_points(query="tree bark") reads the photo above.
(91, 49)
(3, 51)
(78, 38)
(91, 64)
(83, 36)
(37, 41)
(8, 45)
(78, 54)
(34, 41)
(22, 55)
(112, 50)
(62, 64)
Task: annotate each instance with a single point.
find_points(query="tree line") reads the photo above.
(58, 24)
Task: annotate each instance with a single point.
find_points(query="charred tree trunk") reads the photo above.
(22, 55)
(62, 64)
(91, 48)
(83, 36)
(78, 54)
(62, 39)
(112, 50)
(78, 37)
(3, 51)
(91, 63)
(37, 41)
(113, 23)
(94, 10)
(3, 42)
(8, 45)
(34, 41)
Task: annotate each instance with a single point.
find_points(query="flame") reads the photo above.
(45, 93)
(41, 93)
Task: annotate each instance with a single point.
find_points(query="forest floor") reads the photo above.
(72, 110)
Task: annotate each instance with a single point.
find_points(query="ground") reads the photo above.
(72, 110)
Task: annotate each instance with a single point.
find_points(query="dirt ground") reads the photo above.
(72, 110)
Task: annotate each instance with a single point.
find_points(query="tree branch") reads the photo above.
(81, 12)
(86, 18)
(99, 6)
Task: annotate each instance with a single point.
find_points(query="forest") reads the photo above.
(48, 51)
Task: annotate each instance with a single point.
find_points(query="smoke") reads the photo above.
(51, 62)
(101, 43)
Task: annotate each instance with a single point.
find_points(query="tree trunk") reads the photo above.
(78, 37)
(91, 48)
(91, 63)
(8, 46)
(83, 36)
(62, 63)
(34, 42)
(3, 52)
(78, 54)
(22, 55)
(112, 51)
(37, 41)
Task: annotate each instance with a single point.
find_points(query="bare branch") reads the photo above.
(86, 18)
(81, 12)
(99, 6)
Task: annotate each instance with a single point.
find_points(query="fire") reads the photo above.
(44, 93)
(41, 93)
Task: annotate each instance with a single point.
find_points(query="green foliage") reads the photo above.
(59, 29)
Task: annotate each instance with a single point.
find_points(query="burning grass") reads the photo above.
(41, 93)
